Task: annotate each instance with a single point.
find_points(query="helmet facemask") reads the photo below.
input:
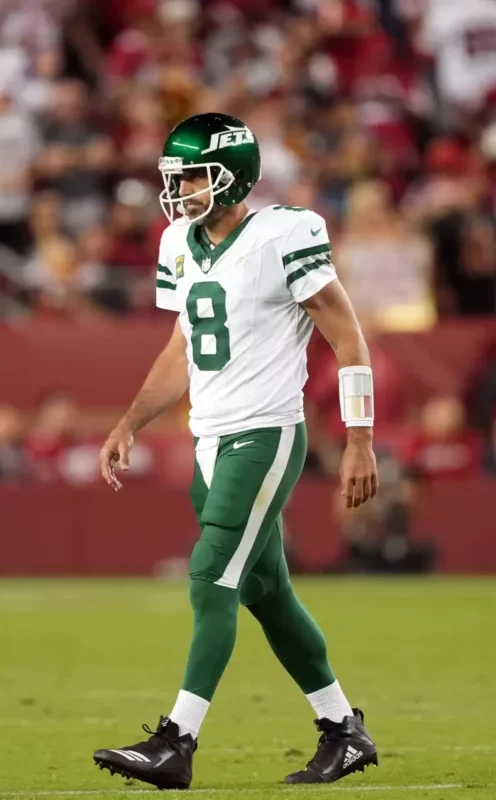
(173, 169)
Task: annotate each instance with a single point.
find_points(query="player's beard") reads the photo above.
(213, 217)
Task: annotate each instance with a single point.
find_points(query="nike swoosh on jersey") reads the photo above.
(314, 233)
(237, 445)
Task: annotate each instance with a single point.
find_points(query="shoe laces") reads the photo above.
(330, 730)
(159, 737)
(331, 733)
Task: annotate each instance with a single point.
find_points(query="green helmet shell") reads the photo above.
(221, 141)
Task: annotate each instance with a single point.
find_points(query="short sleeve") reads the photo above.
(166, 279)
(307, 257)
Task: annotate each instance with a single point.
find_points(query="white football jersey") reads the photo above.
(239, 310)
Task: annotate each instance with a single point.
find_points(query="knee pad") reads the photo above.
(209, 559)
(208, 598)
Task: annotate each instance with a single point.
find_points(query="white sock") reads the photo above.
(330, 703)
(189, 712)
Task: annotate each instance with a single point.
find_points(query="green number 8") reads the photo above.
(212, 324)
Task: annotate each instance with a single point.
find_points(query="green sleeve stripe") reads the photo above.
(164, 269)
(302, 271)
(166, 285)
(307, 251)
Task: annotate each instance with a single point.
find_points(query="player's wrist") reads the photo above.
(125, 428)
(360, 434)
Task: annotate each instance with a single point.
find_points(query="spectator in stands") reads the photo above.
(92, 255)
(36, 90)
(93, 245)
(281, 164)
(389, 97)
(385, 265)
(182, 94)
(347, 26)
(44, 223)
(461, 38)
(55, 429)
(138, 49)
(19, 147)
(55, 280)
(13, 465)
(141, 137)
(108, 287)
(443, 446)
(35, 27)
(128, 246)
(465, 246)
(77, 156)
(451, 181)
(45, 216)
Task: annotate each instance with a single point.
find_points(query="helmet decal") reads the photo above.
(230, 138)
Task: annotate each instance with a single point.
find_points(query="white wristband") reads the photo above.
(356, 396)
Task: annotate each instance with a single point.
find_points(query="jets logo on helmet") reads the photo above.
(226, 152)
(231, 138)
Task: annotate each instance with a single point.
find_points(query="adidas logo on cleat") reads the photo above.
(132, 755)
(351, 756)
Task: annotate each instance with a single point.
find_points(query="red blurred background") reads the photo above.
(380, 115)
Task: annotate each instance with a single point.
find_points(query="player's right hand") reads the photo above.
(115, 451)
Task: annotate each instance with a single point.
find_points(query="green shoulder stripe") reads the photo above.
(164, 269)
(306, 252)
(302, 271)
(166, 285)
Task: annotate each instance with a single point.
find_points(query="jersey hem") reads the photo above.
(254, 423)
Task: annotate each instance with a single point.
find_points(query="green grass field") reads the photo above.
(84, 663)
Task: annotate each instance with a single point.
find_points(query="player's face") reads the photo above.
(194, 181)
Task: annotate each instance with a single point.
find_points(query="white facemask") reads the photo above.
(170, 200)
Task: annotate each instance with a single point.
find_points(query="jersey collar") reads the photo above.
(206, 256)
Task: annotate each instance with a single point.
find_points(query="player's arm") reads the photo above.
(332, 313)
(165, 385)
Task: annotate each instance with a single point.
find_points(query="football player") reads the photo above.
(248, 287)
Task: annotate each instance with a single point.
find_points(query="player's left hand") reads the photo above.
(358, 470)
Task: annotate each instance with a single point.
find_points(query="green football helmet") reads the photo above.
(218, 143)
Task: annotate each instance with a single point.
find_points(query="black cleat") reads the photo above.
(344, 747)
(165, 760)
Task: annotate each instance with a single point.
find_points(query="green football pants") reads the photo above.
(240, 485)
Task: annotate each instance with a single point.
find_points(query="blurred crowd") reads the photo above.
(379, 114)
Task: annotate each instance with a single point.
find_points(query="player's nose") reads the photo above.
(186, 188)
